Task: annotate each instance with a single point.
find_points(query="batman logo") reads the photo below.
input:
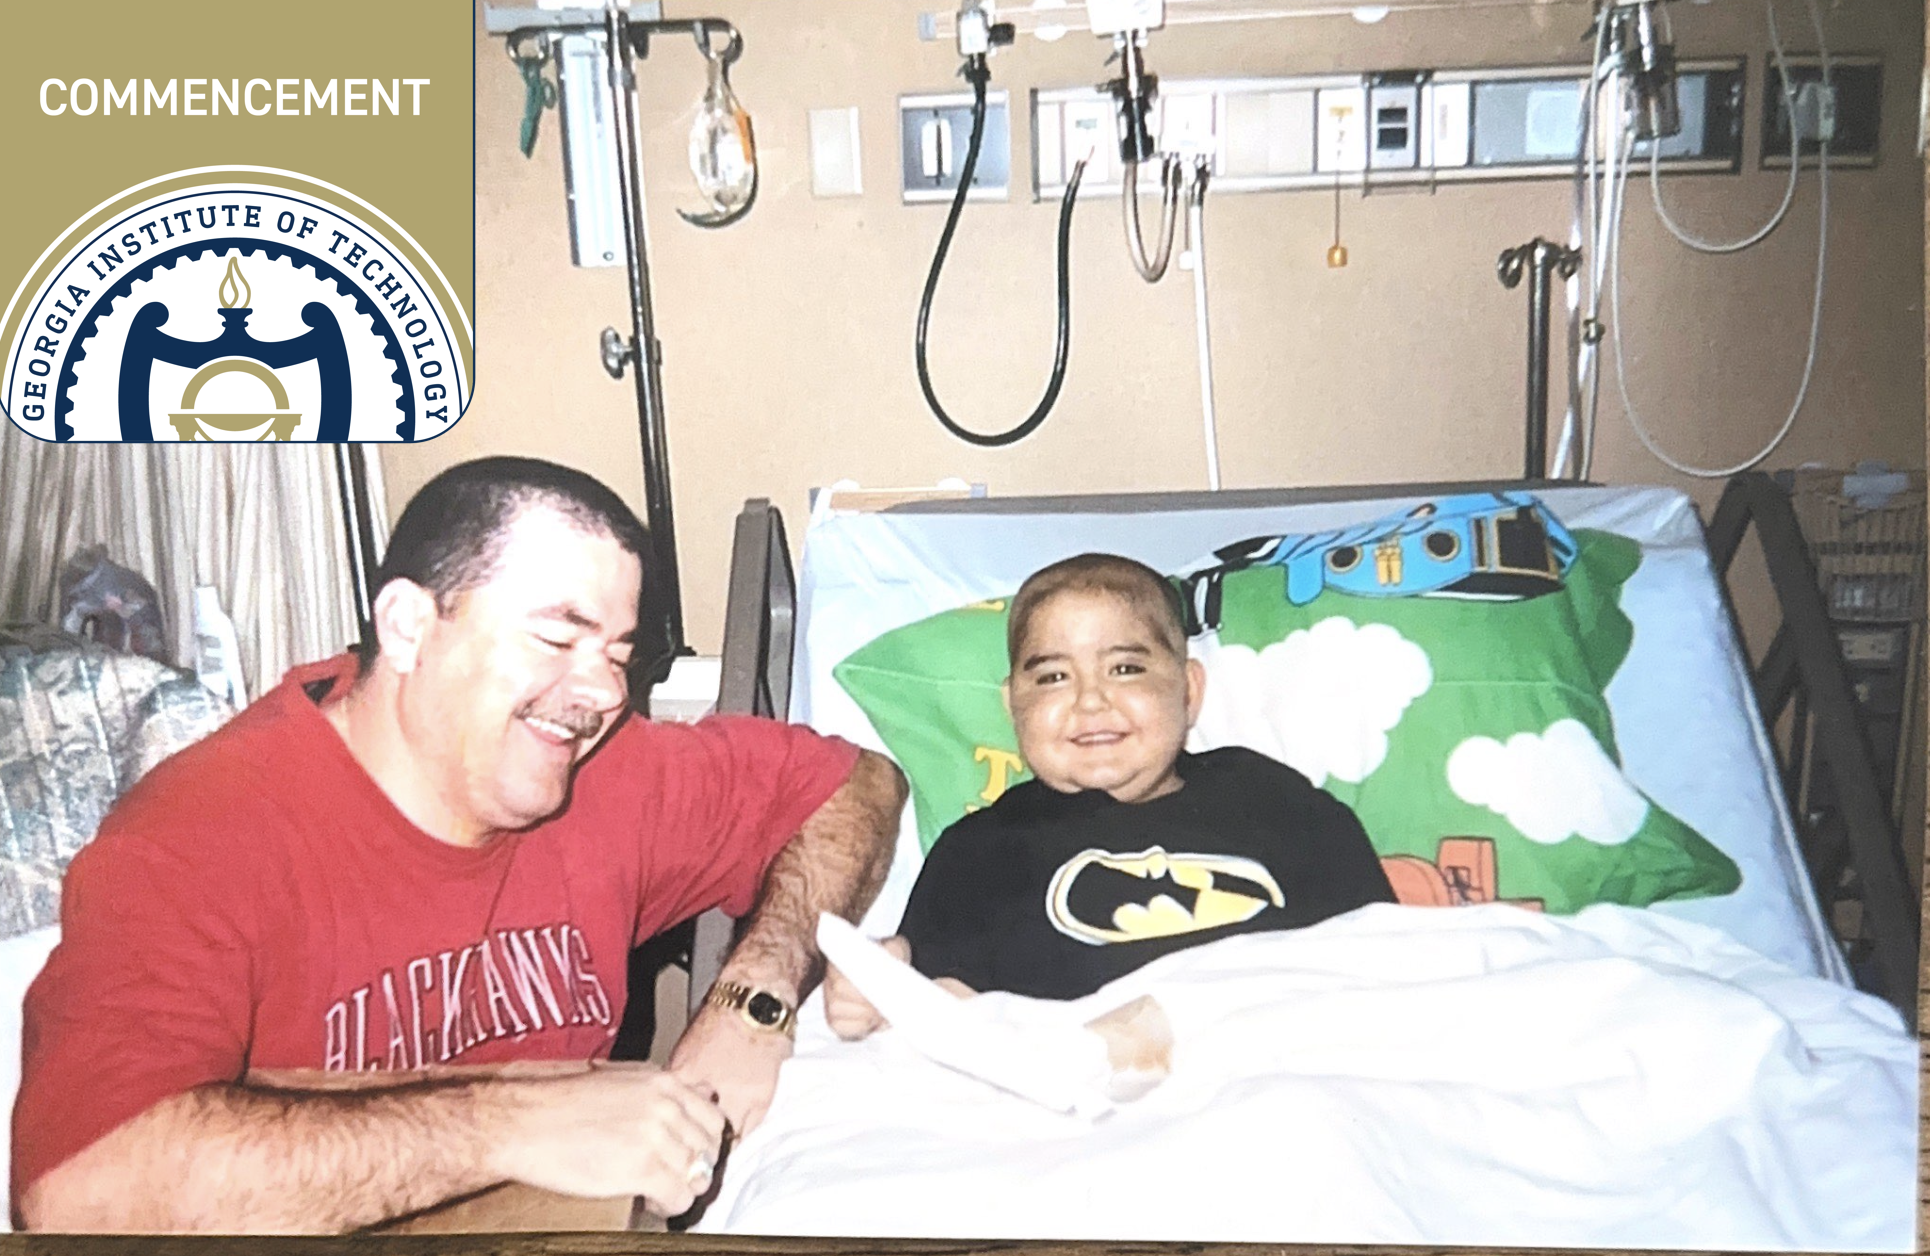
(1099, 897)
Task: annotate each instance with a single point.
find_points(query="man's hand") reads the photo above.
(723, 1055)
(618, 1129)
(848, 1012)
(297, 1152)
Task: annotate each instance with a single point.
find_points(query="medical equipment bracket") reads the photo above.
(626, 40)
(1805, 657)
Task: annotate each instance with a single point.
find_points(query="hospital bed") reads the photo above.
(1695, 1071)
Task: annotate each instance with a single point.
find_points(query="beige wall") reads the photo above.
(787, 338)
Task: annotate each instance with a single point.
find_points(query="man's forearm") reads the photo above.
(243, 1159)
(836, 863)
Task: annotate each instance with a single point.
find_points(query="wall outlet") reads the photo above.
(1870, 645)
(934, 135)
(1189, 126)
(1394, 122)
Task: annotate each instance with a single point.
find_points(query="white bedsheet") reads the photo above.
(1397, 1075)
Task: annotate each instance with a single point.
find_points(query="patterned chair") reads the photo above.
(79, 723)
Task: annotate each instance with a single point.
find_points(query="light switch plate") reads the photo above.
(837, 165)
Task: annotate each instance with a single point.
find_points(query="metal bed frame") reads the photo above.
(1804, 663)
(1803, 658)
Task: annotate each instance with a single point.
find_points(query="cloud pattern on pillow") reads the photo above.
(1322, 701)
(1551, 786)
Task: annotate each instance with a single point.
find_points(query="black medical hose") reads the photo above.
(976, 71)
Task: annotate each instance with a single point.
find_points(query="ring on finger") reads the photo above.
(700, 1171)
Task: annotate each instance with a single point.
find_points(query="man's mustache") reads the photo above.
(581, 722)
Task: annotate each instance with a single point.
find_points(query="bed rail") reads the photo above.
(1222, 499)
(760, 616)
(758, 622)
(1804, 663)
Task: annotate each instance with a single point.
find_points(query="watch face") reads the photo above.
(765, 1009)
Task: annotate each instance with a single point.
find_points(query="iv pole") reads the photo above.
(626, 40)
(1539, 260)
(358, 526)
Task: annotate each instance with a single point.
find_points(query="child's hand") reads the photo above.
(849, 1013)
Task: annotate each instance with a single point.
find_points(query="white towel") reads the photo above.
(1035, 1049)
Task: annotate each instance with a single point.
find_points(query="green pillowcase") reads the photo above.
(1432, 717)
(931, 689)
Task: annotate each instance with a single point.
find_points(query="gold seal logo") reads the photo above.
(234, 294)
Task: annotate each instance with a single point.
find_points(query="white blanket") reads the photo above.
(1480, 1076)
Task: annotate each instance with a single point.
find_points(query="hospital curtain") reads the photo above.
(261, 524)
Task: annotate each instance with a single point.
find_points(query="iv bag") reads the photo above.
(722, 156)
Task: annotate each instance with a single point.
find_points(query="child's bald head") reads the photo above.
(1144, 592)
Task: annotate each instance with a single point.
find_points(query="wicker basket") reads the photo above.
(1868, 543)
(1866, 534)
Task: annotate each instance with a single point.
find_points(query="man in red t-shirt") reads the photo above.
(362, 951)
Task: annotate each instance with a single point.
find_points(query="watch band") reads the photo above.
(762, 1009)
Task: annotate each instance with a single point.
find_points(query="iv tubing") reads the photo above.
(1196, 242)
(975, 70)
(1816, 304)
(1152, 271)
(1701, 245)
(1584, 379)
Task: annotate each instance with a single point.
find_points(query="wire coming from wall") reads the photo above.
(1636, 422)
(1761, 233)
(1600, 203)
(1203, 338)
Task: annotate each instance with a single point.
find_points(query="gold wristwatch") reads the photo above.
(761, 1008)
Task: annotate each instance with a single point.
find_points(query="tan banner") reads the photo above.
(243, 222)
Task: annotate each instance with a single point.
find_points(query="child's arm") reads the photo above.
(851, 1015)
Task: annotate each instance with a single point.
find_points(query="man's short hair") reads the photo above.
(1145, 592)
(451, 534)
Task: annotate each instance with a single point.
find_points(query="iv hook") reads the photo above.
(700, 32)
(514, 46)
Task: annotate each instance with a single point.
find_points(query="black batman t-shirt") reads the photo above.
(1052, 895)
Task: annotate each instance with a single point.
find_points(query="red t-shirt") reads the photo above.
(258, 902)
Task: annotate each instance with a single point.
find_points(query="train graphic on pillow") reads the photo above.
(1502, 546)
